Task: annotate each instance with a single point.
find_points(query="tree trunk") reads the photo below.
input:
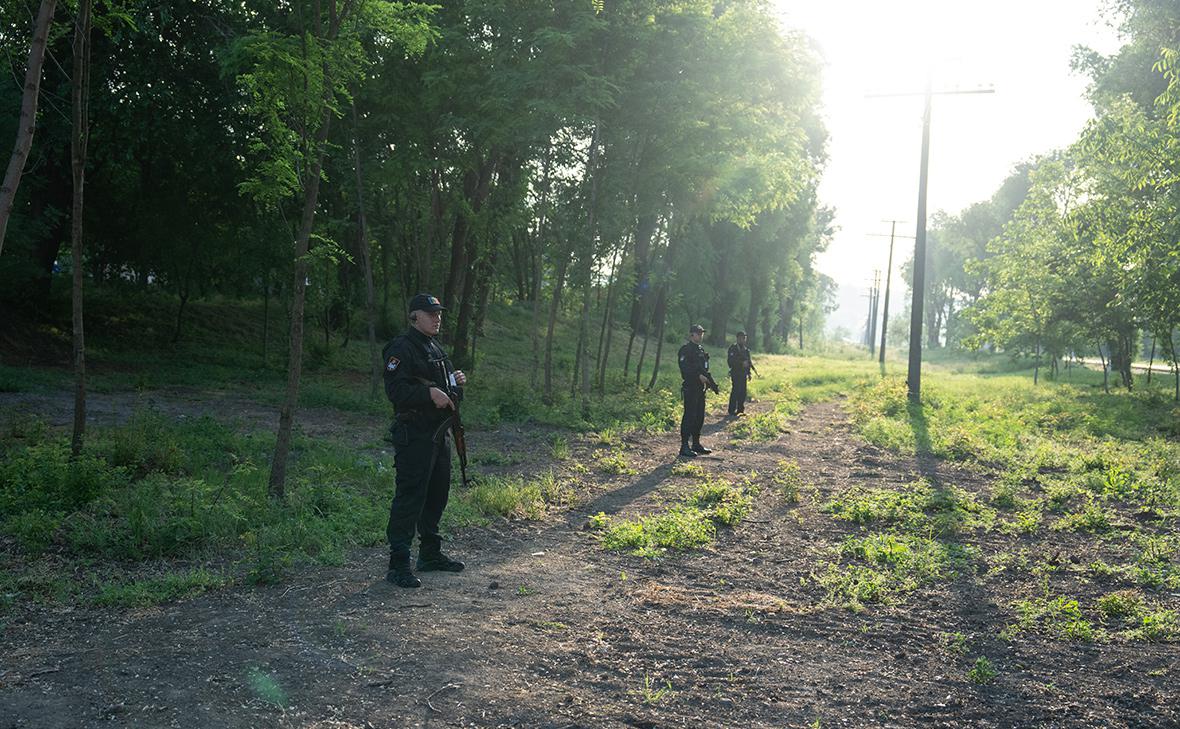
(265, 315)
(639, 362)
(78, 144)
(1175, 362)
(27, 124)
(1150, 361)
(588, 281)
(659, 319)
(1105, 371)
(538, 261)
(1037, 363)
(555, 306)
(608, 329)
(276, 487)
(366, 262)
(434, 225)
(758, 284)
(476, 186)
(645, 228)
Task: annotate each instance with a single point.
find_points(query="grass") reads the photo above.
(688, 524)
(883, 567)
(1067, 463)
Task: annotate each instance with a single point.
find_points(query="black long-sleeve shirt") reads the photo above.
(694, 361)
(739, 360)
(411, 361)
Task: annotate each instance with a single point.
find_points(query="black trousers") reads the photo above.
(737, 394)
(694, 412)
(423, 485)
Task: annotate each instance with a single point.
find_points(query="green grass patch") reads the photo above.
(689, 524)
(155, 590)
(1059, 617)
(884, 567)
(512, 497)
(918, 508)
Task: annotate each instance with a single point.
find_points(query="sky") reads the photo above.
(1019, 48)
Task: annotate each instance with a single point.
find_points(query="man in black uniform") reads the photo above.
(694, 370)
(424, 389)
(740, 366)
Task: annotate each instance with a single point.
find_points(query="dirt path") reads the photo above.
(546, 629)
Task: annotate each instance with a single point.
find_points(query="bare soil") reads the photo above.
(545, 628)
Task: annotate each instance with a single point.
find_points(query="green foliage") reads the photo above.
(41, 475)
(678, 528)
(173, 586)
(917, 508)
(883, 567)
(1060, 617)
(983, 672)
(511, 497)
(691, 523)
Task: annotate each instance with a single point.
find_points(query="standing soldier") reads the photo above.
(740, 367)
(694, 370)
(424, 390)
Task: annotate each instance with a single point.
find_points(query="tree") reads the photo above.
(28, 114)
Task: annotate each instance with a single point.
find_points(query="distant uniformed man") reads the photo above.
(694, 370)
(740, 367)
(424, 390)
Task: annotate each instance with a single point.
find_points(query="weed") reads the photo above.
(760, 427)
(954, 643)
(614, 463)
(685, 468)
(1093, 517)
(653, 694)
(788, 479)
(723, 502)
(983, 672)
(155, 590)
(1060, 617)
(677, 529)
(559, 448)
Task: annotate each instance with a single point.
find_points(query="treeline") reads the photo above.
(663, 155)
(651, 162)
(1078, 253)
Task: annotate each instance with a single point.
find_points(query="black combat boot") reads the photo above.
(400, 573)
(698, 448)
(685, 451)
(436, 561)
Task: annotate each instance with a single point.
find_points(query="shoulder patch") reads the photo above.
(392, 364)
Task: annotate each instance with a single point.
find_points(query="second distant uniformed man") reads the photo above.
(424, 390)
(694, 370)
(740, 366)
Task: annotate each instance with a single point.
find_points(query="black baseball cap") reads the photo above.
(696, 328)
(741, 333)
(426, 302)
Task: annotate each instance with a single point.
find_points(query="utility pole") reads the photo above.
(868, 340)
(888, 279)
(914, 377)
(875, 299)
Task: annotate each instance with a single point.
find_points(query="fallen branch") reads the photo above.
(436, 693)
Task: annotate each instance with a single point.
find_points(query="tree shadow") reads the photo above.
(615, 500)
(923, 447)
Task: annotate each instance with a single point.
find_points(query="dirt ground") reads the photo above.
(547, 629)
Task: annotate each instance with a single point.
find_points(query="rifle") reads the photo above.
(455, 424)
(460, 439)
(712, 383)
